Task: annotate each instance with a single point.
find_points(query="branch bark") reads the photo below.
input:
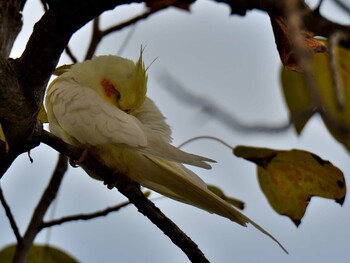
(10, 24)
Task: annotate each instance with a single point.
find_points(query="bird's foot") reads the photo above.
(76, 163)
(114, 181)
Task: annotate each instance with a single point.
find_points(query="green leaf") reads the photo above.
(336, 107)
(38, 254)
(289, 179)
(42, 116)
(233, 201)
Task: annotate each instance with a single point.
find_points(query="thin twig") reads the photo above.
(84, 216)
(338, 85)
(46, 199)
(213, 109)
(70, 54)
(126, 40)
(131, 21)
(98, 34)
(342, 5)
(96, 38)
(10, 217)
(205, 137)
(318, 7)
(133, 193)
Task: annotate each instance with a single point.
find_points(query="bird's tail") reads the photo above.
(177, 182)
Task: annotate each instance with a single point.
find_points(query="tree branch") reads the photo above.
(312, 20)
(10, 217)
(84, 216)
(98, 34)
(96, 38)
(133, 193)
(70, 54)
(23, 247)
(10, 24)
(213, 109)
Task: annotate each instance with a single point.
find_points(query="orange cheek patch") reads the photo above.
(108, 87)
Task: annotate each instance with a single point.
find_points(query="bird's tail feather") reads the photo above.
(177, 182)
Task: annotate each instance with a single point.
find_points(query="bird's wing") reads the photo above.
(157, 147)
(84, 115)
(158, 136)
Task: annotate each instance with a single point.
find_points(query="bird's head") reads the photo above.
(119, 80)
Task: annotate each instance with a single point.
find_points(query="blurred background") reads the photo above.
(233, 62)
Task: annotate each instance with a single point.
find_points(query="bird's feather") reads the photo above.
(81, 113)
(84, 115)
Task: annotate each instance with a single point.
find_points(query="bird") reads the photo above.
(102, 105)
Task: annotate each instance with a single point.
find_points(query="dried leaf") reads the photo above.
(233, 201)
(284, 45)
(299, 98)
(3, 139)
(38, 254)
(290, 178)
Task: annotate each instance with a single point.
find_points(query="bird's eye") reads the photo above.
(118, 96)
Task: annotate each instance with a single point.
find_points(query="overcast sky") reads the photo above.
(232, 61)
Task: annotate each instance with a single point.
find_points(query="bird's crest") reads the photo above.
(136, 95)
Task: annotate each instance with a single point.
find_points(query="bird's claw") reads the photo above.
(111, 185)
(113, 182)
(76, 163)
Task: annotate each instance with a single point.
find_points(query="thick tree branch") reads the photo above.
(133, 193)
(312, 20)
(16, 115)
(10, 24)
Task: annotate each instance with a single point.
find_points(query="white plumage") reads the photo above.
(101, 105)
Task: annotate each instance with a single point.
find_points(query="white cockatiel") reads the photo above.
(101, 105)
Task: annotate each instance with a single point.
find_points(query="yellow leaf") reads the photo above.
(3, 138)
(38, 254)
(42, 116)
(299, 99)
(290, 178)
(233, 201)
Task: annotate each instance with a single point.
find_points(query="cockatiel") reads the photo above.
(101, 105)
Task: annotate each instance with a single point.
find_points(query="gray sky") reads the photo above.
(233, 61)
